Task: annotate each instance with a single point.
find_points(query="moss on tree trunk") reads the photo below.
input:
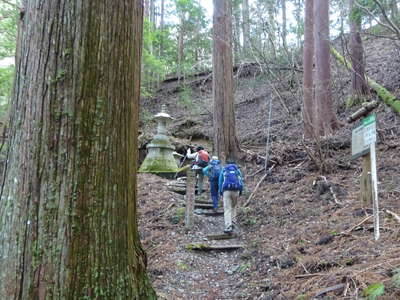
(387, 97)
(68, 227)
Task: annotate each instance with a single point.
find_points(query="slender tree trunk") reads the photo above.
(68, 227)
(299, 22)
(272, 27)
(225, 141)
(394, 11)
(309, 108)
(161, 54)
(327, 121)
(359, 83)
(147, 8)
(180, 49)
(284, 27)
(246, 26)
(236, 31)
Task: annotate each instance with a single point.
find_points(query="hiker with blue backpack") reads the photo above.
(212, 171)
(200, 161)
(231, 185)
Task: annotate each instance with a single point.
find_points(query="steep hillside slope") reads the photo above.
(301, 238)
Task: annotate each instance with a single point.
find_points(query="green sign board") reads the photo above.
(363, 136)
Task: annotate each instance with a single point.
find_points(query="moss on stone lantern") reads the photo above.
(160, 159)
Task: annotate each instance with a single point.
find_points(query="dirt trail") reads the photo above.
(179, 273)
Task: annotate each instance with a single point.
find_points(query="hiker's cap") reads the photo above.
(214, 158)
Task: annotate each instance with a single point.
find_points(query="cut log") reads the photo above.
(387, 97)
(207, 247)
(203, 206)
(199, 201)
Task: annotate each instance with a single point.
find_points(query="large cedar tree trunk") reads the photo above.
(327, 121)
(68, 227)
(309, 108)
(225, 140)
(358, 80)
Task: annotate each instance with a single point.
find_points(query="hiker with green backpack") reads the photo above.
(212, 171)
(231, 185)
(200, 161)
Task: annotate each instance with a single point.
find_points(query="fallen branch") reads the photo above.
(329, 289)
(397, 218)
(363, 111)
(387, 97)
(257, 186)
(355, 226)
(310, 275)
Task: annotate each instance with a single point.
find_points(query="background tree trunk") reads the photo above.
(68, 227)
(359, 83)
(225, 140)
(236, 31)
(327, 121)
(309, 107)
(284, 27)
(246, 27)
(394, 11)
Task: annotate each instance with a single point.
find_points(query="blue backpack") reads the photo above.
(232, 180)
(215, 170)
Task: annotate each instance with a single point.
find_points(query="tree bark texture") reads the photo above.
(309, 107)
(358, 80)
(327, 121)
(225, 141)
(68, 227)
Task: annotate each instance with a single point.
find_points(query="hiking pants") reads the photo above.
(200, 179)
(214, 192)
(230, 203)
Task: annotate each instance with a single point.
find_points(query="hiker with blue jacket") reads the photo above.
(200, 161)
(212, 171)
(231, 185)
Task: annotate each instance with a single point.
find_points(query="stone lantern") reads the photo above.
(160, 159)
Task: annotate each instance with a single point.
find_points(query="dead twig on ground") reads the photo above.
(347, 232)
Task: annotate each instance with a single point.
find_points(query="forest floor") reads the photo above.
(301, 239)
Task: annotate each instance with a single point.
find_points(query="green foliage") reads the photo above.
(8, 30)
(244, 267)
(178, 216)
(181, 265)
(6, 80)
(373, 291)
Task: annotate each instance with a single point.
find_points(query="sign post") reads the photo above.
(363, 144)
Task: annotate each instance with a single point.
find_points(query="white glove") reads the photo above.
(188, 151)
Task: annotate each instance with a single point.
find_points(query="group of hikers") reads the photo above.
(226, 181)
